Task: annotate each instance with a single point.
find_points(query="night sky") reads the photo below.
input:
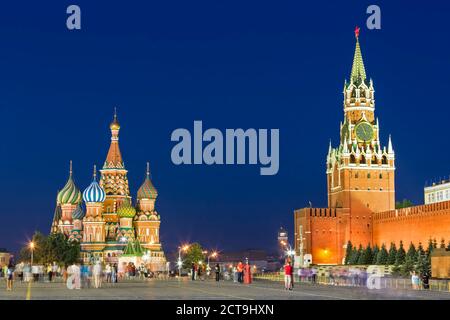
(231, 64)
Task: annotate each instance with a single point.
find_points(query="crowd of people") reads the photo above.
(355, 277)
(76, 276)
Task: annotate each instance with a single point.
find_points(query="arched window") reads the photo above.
(363, 160)
(384, 160)
(368, 175)
(381, 176)
(374, 160)
(352, 159)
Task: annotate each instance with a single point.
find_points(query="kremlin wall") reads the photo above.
(361, 187)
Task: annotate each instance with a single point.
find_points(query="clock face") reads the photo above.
(364, 131)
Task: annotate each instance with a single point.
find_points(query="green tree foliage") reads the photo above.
(411, 254)
(348, 252)
(408, 266)
(360, 255)
(39, 241)
(401, 255)
(419, 252)
(403, 204)
(366, 257)
(423, 265)
(375, 254)
(382, 256)
(354, 256)
(54, 248)
(193, 255)
(392, 254)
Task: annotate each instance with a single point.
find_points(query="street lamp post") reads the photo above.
(32, 250)
(180, 262)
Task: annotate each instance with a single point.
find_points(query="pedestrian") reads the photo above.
(108, 273)
(19, 269)
(76, 276)
(247, 273)
(235, 275)
(288, 272)
(415, 281)
(98, 273)
(425, 281)
(193, 271)
(49, 273)
(9, 277)
(240, 270)
(217, 269)
(114, 273)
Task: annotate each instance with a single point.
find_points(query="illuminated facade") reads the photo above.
(361, 187)
(103, 218)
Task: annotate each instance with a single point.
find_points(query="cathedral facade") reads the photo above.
(103, 217)
(361, 187)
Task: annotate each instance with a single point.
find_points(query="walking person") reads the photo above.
(415, 280)
(108, 273)
(9, 277)
(114, 274)
(240, 270)
(49, 273)
(288, 273)
(193, 271)
(98, 273)
(217, 270)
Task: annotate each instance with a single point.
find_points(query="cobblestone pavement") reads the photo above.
(205, 290)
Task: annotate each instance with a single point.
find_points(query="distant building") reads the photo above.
(4, 257)
(258, 259)
(437, 192)
(283, 236)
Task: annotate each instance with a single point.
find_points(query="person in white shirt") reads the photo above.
(97, 272)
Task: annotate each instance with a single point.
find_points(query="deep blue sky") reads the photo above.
(262, 64)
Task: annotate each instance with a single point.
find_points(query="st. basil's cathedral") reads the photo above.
(103, 218)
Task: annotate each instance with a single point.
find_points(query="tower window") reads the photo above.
(381, 176)
(363, 160)
(368, 176)
(352, 159)
(384, 160)
(356, 175)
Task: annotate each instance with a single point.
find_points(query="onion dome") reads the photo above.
(94, 193)
(78, 213)
(70, 194)
(115, 124)
(147, 190)
(126, 210)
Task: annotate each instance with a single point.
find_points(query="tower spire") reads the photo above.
(358, 70)
(95, 172)
(148, 169)
(114, 157)
(70, 169)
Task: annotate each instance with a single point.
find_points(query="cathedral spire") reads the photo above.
(358, 71)
(390, 148)
(114, 157)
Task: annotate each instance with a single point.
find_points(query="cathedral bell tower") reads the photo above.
(114, 181)
(360, 171)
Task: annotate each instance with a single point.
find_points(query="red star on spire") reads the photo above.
(357, 32)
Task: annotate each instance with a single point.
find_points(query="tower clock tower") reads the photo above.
(360, 171)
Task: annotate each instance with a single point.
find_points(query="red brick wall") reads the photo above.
(416, 224)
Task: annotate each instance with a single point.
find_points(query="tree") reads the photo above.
(382, 256)
(366, 256)
(411, 253)
(434, 243)
(354, 256)
(408, 266)
(430, 248)
(419, 252)
(360, 255)
(392, 254)
(375, 254)
(423, 265)
(348, 252)
(442, 245)
(403, 204)
(39, 241)
(401, 255)
(193, 255)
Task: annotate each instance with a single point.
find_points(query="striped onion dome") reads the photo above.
(70, 194)
(78, 213)
(94, 193)
(147, 190)
(126, 210)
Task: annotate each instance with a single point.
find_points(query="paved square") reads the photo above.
(174, 289)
